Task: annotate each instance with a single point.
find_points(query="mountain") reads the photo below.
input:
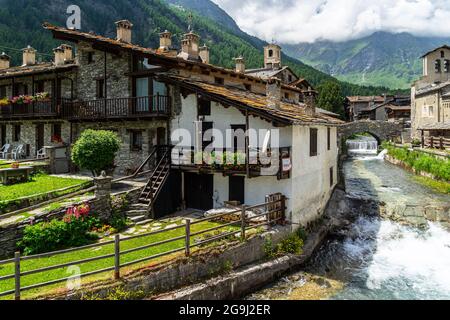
(20, 25)
(382, 58)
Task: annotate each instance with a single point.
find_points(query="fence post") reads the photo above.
(432, 143)
(17, 275)
(117, 257)
(243, 224)
(188, 237)
(441, 142)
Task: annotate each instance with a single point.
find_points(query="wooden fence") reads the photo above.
(436, 143)
(273, 213)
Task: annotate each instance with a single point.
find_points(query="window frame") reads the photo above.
(135, 146)
(313, 142)
(203, 107)
(328, 138)
(100, 88)
(16, 128)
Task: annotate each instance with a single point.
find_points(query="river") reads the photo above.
(375, 258)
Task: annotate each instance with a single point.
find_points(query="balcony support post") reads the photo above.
(247, 142)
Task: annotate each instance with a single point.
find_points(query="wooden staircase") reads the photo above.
(140, 211)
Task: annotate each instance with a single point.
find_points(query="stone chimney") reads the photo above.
(273, 93)
(59, 56)
(204, 54)
(29, 56)
(189, 47)
(165, 41)
(68, 52)
(5, 61)
(272, 56)
(124, 30)
(310, 101)
(240, 64)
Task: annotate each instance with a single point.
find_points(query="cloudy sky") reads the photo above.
(293, 21)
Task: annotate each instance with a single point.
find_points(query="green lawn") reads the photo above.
(40, 184)
(28, 265)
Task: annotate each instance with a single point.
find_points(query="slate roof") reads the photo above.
(265, 72)
(38, 68)
(288, 112)
(436, 126)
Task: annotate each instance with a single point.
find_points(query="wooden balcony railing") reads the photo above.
(36, 109)
(116, 108)
(436, 143)
(270, 163)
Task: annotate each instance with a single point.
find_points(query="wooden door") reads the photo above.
(236, 188)
(3, 135)
(39, 137)
(199, 191)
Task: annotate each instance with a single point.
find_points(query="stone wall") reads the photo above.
(28, 134)
(118, 85)
(127, 159)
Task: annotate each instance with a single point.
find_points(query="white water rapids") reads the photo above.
(376, 258)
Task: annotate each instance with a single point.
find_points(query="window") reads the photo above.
(2, 92)
(446, 65)
(331, 176)
(313, 142)
(329, 138)
(56, 131)
(248, 87)
(16, 132)
(286, 95)
(290, 78)
(270, 53)
(20, 89)
(218, 80)
(90, 57)
(437, 66)
(442, 54)
(430, 111)
(100, 88)
(204, 107)
(136, 140)
(39, 86)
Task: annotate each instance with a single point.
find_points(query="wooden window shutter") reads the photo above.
(313, 142)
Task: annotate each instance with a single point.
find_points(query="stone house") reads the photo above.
(158, 97)
(430, 96)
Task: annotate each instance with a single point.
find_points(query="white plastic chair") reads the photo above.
(4, 151)
(17, 152)
(41, 154)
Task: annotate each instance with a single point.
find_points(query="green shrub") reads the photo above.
(72, 231)
(292, 245)
(96, 150)
(57, 235)
(421, 162)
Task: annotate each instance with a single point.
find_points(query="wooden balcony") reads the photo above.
(233, 163)
(116, 108)
(34, 110)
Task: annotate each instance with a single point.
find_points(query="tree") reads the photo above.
(95, 150)
(330, 97)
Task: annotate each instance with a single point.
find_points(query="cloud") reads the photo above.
(294, 21)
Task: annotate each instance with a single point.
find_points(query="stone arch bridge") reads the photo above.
(380, 130)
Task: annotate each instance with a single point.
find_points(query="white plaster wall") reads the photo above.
(223, 118)
(310, 175)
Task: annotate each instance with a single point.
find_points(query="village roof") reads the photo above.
(102, 42)
(39, 68)
(256, 104)
(436, 49)
(432, 87)
(436, 126)
(266, 72)
(354, 99)
(329, 113)
(397, 107)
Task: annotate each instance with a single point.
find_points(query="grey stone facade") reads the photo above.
(117, 84)
(127, 159)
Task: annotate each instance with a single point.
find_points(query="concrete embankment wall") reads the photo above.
(247, 279)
